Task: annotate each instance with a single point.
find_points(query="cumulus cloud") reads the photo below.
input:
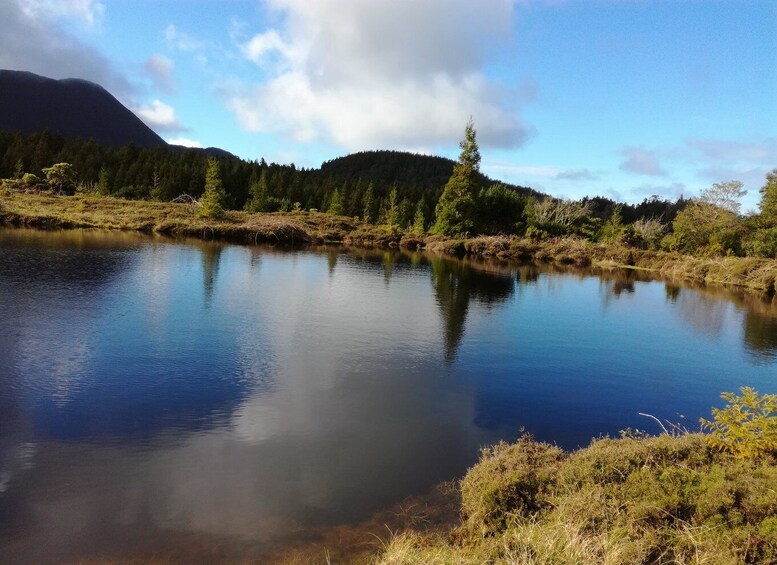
(32, 41)
(386, 73)
(185, 141)
(160, 69)
(160, 116)
(641, 161)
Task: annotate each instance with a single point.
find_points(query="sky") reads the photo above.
(619, 98)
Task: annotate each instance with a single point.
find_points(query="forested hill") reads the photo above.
(403, 170)
(71, 108)
(359, 184)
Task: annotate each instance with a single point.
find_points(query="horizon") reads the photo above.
(617, 99)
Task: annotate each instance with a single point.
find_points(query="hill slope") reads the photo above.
(401, 169)
(71, 108)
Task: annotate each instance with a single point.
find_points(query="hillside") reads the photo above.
(402, 169)
(72, 108)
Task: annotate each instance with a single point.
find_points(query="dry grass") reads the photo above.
(666, 499)
(85, 211)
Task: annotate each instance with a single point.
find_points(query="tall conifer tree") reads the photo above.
(455, 210)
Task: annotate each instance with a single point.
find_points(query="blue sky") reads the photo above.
(622, 98)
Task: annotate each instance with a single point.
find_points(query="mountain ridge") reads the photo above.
(72, 107)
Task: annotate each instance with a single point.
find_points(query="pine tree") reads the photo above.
(369, 204)
(768, 205)
(258, 195)
(335, 203)
(455, 210)
(212, 200)
(392, 209)
(419, 221)
(612, 230)
(103, 182)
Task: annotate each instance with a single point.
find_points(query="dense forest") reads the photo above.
(357, 185)
(400, 190)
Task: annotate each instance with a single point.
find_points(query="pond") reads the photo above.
(158, 390)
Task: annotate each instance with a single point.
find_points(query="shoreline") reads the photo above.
(47, 212)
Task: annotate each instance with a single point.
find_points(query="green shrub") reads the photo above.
(510, 480)
(763, 243)
(746, 427)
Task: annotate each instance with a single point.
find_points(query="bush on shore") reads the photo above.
(678, 499)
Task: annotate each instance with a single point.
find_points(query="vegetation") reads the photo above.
(747, 426)
(666, 499)
(455, 210)
(211, 205)
(374, 198)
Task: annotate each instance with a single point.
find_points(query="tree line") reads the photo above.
(400, 190)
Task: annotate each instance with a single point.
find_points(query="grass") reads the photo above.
(665, 499)
(89, 211)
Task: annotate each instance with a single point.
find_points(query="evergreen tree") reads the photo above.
(768, 205)
(613, 230)
(455, 210)
(335, 203)
(103, 182)
(258, 195)
(212, 200)
(391, 212)
(369, 205)
(419, 221)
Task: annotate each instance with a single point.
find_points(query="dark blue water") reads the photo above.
(157, 390)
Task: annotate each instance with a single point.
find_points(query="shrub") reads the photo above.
(510, 480)
(746, 427)
(763, 243)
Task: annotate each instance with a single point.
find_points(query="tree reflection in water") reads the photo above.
(455, 285)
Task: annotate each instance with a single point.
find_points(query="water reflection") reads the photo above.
(191, 391)
(211, 257)
(455, 286)
(761, 335)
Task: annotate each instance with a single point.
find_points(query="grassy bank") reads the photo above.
(85, 211)
(619, 501)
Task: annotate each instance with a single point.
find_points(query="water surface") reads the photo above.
(155, 392)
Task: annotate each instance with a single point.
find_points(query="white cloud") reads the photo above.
(32, 41)
(641, 161)
(90, 12)
(159, 116)
(160, 69)
(386, 73)
(181, 41)
(762, 152)
(185, 141)
(577, 175)
(510, 169)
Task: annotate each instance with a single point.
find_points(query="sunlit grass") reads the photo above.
(90, 211)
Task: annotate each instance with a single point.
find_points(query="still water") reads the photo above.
(154, 390)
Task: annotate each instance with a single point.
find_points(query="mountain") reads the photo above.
(72, 108)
